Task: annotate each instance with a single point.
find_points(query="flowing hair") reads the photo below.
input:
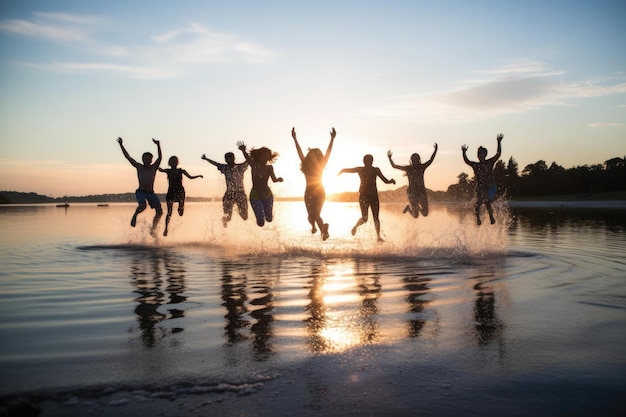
(312, 162)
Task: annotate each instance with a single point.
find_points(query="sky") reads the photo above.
(387, 75)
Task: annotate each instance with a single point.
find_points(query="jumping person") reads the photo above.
(416, 191)
(146, 173)
(235, 192)
(312, 166)
(485, 182)
(368, 192)
(261, 197)
(175, 191)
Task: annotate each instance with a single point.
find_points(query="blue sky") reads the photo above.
(399, 75)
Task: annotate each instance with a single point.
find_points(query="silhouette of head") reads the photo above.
(146, 158)
(263, 155)
(312, 161)
(229, 157)
(482, 153)
(415, 159)
(173, 161)
(368, 160)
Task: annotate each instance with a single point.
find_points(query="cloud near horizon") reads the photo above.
(171, 54)
(505, 90)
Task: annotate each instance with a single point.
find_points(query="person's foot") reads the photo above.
(181, 210)
(492, 220)
(165, 232)
(313, 229)
(153, 233)
(407, 208)
(380, 239)
(478, 222)
(224, 221)
(353, 231)
(133, 221)
(324, 230)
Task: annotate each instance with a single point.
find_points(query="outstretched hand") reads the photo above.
(435, 146)
(464, 148)
(389, 154)
(293, 133)
(333, 133)
(500, 137)
(392, 181)
(241, 145)
(119, 140)
(156, 142)
(203, 156)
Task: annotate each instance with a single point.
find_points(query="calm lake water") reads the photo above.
(524, 317)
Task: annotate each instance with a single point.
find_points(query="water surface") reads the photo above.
(525, 317)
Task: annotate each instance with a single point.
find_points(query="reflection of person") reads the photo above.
(368, 192)
(146, 173)
(175, 191)
(312, 166)
(418, 199)
(261, 197)
(485, 182)
(235, 192)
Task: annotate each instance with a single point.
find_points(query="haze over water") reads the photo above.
(525, 317)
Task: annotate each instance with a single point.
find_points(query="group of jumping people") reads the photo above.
(312, 166)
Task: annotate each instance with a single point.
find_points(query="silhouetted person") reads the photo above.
(146, 173)
(368, 192)
(175, 191)
(261, 197)
(416, 191)
(485, 182)
(312, 166)
(235, 192)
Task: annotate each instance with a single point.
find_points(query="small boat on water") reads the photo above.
(103, 205)
(66, 205)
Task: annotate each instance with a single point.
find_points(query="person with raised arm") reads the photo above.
(368, 192)
(486, 187)
(416, 191)
(175, 191)
(261, 197)
(312, 165)
(146, 172)
(235, 192)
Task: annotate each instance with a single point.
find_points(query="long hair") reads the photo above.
(263, 155)
(312, 163)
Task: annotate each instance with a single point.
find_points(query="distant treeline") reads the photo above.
(539, 179)
(535, 180)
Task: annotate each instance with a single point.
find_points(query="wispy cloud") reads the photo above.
(170, 54)
(514, 88)
(605, 124)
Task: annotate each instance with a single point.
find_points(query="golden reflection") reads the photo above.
(343, 312)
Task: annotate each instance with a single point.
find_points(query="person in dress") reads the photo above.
(312, 166)
(175, 191)
(416, 191)
(368, 192)
(235, 192)
(146, 172)
(261, 197)
(486, 187)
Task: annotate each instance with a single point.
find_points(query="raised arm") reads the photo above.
(160, 154)
(333, 133)
(432, 157)
(499, 151)
(210, 160)
(242, 147)
(126, 154)
(389, 155)
(464, 150)
(295, 140)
